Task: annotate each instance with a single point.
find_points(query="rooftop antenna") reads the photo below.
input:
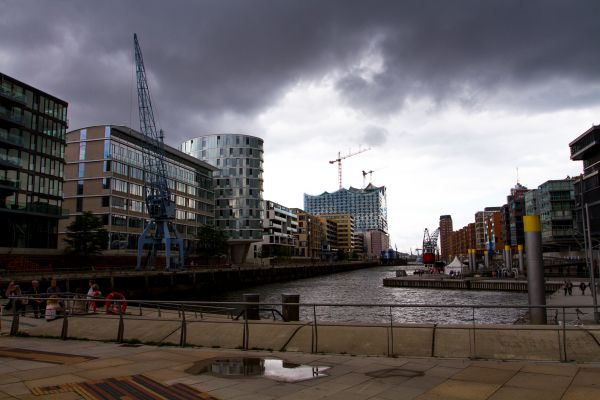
(517, 175)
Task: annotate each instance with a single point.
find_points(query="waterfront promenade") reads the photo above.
(462, 366)
(33, 368)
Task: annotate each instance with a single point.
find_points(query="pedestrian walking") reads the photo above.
(582, 286)
(570, 287)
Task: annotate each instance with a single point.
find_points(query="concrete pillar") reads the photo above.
(290, 312)
(507, 257)
(486, 259)
(521, 263)
(251, 310)
(470, 261)
(535, 269)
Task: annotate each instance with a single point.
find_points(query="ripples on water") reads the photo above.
(365, 286)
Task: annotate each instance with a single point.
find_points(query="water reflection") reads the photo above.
(272, 368)
(366, 286)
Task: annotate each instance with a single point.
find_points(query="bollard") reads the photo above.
(251, 309)
(290, 312)
(535, 269)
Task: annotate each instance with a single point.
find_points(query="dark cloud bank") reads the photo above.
(209, 58)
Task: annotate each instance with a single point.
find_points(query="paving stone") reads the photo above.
(586, 377)
(529, 380)
(54, 380)
(423, 382)
(516, 393)
(279, 389)
(14, 389)
(551, 369)
(214, 383)
(227, 393)
(484, 375)
(463, 390)
(401, 393)
(103, 363)
(582, 393)
(40, 373)
(443, 372)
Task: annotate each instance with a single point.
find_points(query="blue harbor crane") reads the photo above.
(160, 230)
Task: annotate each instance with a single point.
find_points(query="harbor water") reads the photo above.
(365, 286)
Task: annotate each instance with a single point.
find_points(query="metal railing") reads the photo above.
(564, 319)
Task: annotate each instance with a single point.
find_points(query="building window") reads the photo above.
(105, 201)
(79, 204)
(79, 187)
(81, 172)
(105, 183)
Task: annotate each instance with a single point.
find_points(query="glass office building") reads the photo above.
(238, 182)
(32, 145)
(368, 206)
(105, 175)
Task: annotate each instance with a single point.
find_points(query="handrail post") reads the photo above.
(64, 332)
(121, 328)
(14, 327)
(391, 350)
(183, 337)
(315, 331)
(246, 331)
(564, 334)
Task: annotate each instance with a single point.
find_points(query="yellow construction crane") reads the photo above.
(339, 159)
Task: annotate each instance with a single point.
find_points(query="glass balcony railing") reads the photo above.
(37, 208)
(9, 183)
(20, 97)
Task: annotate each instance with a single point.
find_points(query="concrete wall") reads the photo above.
(500, 342)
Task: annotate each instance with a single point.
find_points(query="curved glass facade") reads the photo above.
(238, 183)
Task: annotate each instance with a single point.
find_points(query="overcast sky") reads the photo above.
(451, 96)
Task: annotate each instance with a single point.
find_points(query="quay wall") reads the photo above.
(466, 284)
(198, 283)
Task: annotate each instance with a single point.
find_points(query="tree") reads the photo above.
(211, 241)
(86, 235)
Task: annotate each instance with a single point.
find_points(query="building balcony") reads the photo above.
(17, 97)
(14, 119)
(586, 144)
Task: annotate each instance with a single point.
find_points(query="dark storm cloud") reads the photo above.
(207, 59)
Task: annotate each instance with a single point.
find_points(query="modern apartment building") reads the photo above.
(368, 206)
(494, 230)
(280, 229)
(32, 144)
(310, 235)
(329, 234)
(238, 186)
(463, 240)
(554, 201)
(586, 148)
(344, 235)
(481, 237)
(513, 212)
(104, 174)
(446, 237)
(375, 242)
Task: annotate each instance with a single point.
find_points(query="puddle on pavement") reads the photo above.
(272, 368)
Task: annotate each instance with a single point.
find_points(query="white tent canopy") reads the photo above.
(456, 265)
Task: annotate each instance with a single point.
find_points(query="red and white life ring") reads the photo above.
(113, 306)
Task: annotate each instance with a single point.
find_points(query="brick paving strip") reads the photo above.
(134, 387)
